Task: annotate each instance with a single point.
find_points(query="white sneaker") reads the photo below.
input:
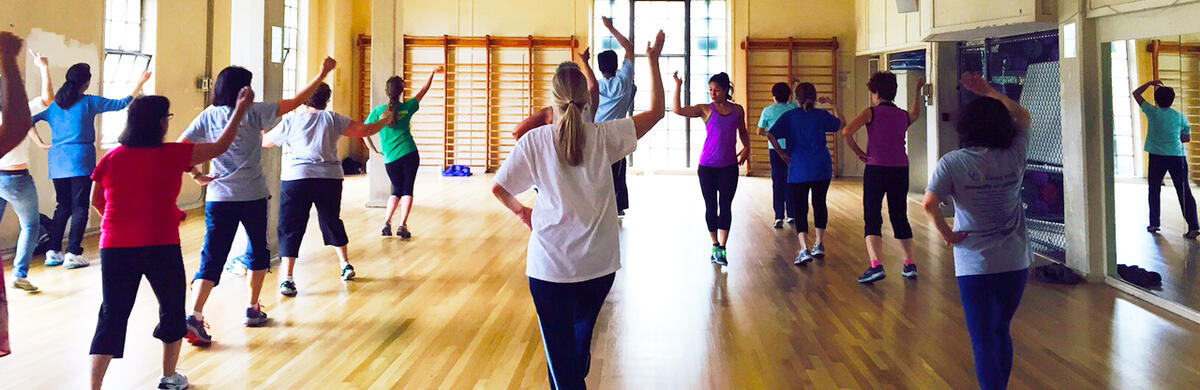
(23, 284)
(75, 261)
(53, 258)
(176, 381)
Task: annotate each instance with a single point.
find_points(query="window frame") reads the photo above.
(116, 86)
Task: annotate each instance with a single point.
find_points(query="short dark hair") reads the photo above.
(320, 99)
(607, 60)
(722, 80)
(143, 125)
(806, 96)
(782, 92)
(883, 84)
(987, 123)
(1164, 96)
(229, 83)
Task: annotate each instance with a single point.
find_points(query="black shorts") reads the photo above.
(403, 173)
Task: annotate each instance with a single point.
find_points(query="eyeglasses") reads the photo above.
(171, 115)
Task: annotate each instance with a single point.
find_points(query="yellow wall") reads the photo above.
(496, 17)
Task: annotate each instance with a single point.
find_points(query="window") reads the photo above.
(126, 58)
(1124, 74)
(696, 47)
(291, 45)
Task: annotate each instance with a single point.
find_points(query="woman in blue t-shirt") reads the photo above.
(72, 158)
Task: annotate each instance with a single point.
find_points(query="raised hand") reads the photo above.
(439, 69)
(920, 82)
(10, 44)
(40, 60)
(328, 65)
(146, 76)
(678, 81)
(975, 83)
(608, 22)
(655, 49)
(825, 100)
(245, 99)
(586, 54)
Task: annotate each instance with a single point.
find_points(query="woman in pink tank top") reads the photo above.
(886, 173)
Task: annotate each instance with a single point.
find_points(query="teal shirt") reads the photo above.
(1166, 126)
(772, 114)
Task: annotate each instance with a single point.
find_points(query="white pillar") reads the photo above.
(387, 60)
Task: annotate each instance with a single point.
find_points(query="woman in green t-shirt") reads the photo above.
(399, 150)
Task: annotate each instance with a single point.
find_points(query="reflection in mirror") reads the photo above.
(1155, 90)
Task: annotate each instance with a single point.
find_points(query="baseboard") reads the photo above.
(1170, 306)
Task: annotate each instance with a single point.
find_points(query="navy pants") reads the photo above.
(620, 186)
(567, 313)
(223, 219)
(296, 199)
(1158, 167)
(121, 271)
(718, 185)
(73, 195)
(989, 303)
(781, 190)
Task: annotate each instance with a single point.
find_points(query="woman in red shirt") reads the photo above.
(136, 186)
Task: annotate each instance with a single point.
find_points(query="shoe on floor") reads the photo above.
(387, 230)
(721, 258)
(255, 317)
(790, 220)
(176, 381)
(287, 288)
(239, 266)
(620, 213)
(1191, 234)
(779, 224)
(403, 232)
(910, 271)
(348, 272)
(1152, 229)
(75, 261)
(716, 254)
(23, 284)
(818, 251)
(53, 258)
(872, 275)
(803, 258)
(197, 332)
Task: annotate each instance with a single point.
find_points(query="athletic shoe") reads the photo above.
(721, 259)
(403, 232)
(255, 317)
(176, 381)
(387, 230)
(1191, 234)
(1152, 229)
(287, 288)
(239, 265)
(75, 261)
(53, 258)
(196, 332)
(348, 272)
(779, 224)
(872, 275)
(803, 258)
(620, 213)
(716, 255)
(790, 220)
(910, 271)
(23, 284)
(818, 251)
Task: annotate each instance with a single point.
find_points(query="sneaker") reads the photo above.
(790, 220)
(176, 381)
(721, 259)
(348, 272)
(387, 230)
(1152, 229)
(716, 255)
(779, 224)
(403, 232)
(287, 288)
(1191, 234)
(910, 271)
(803, 258)
(239, 266)
(75, 261)
(818, 251)
(23, 284)
(53, 258)
(872, 275)
(197, 333)
(255, 317)
(620, 213)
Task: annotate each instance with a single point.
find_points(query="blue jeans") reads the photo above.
(989, 303)
(223, 220)
(20, 192)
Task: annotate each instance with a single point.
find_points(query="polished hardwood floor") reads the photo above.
(1168, 253)
(451, 310)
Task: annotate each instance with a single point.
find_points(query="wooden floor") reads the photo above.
(451, 310)
(1168, 253)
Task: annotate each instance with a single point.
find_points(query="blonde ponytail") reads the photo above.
(570, 96)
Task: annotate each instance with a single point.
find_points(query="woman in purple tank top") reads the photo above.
(719, 160)
(886, 173)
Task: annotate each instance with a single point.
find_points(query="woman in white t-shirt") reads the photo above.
(573, 251)
(16, 185)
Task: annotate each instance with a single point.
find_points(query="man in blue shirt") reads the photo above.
(616, 98)
(1167, 132)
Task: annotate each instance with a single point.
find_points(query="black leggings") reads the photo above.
(800, 201)
(121, 271)
(1177, 167)
(73, 196)
(879, 181)
(403, 174)
(718, 186)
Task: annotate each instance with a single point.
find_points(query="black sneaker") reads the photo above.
(197, 333)
(779, 224)
(255, 317)
(721, 259)
(403, 232)
(387, 230)
(287, 288)
(620, 213)
(1191, 234)
(348, 272)
(1152, 229)
(910, 271)
(872, 275)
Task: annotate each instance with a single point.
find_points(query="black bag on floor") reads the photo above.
(352, 167)
(43, 241)
(1055, 273)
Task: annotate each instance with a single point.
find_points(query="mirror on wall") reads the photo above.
(1154, 163)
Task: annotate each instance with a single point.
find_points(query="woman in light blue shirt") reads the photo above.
(72, 120)
(780, 190)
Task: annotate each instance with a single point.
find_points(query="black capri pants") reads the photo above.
(799, 194)
(718, 186)
(403, 173)
(121, 271)
(892, 182)
(296, 198)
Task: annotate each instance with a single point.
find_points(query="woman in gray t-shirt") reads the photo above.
(991, 245)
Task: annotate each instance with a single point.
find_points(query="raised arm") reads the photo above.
(429, 83)
(359, 130)
(1137, 93)
(137, 89)
(540, 118)
(976, 84)
(583, 59)
(852, 128)
(914, 110)
(203, 152)
(14, 104)
(43, 65)
(621, 39)
(645, 121)
(287, 105)
(696, 111)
